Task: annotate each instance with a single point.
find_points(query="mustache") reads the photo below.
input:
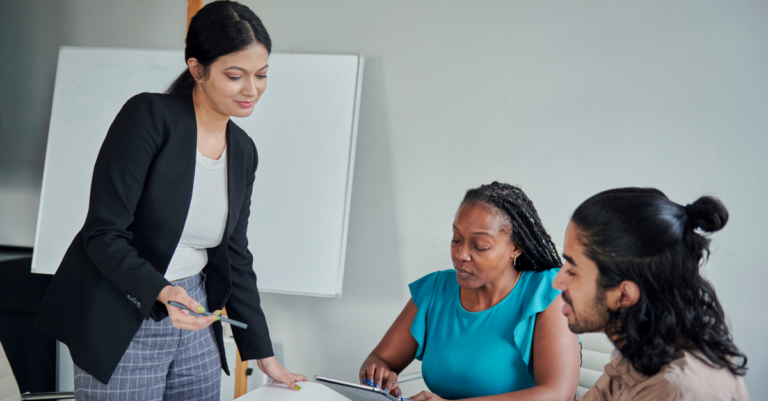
(567, 299)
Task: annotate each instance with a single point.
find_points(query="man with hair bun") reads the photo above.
(632, 271)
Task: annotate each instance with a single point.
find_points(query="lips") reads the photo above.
(246, 105)
(461, 273)
(568, 307)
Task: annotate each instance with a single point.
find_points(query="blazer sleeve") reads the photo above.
(118, 181)
(244, 303)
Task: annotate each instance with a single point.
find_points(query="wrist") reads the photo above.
(164, 294)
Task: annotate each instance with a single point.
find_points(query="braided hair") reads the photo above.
(538, 251)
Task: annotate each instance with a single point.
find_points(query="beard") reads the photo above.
(592, 318)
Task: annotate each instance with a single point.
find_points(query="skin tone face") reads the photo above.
(482, 253)
(234, 82)
(232, 86)
(586, 304)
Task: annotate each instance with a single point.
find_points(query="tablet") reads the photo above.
(356, 392)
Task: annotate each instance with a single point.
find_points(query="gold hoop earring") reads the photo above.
(514, 260)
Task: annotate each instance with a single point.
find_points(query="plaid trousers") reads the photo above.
(162, 362)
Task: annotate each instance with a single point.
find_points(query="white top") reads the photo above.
(206, 219)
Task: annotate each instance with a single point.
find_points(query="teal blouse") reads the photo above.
(466, 354)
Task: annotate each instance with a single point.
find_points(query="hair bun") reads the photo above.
(707, 213)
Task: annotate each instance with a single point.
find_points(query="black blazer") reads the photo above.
(112, 273)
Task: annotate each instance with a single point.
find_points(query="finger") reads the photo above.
(369, 374)
(363, 379)
(422, 396)
(184, 321)
(191, 303)
(289, 382)
(300, 378)
(390, 382)
(378, 376)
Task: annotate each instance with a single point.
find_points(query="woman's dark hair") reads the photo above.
(538, 251)
(639, 235)
(218, 29)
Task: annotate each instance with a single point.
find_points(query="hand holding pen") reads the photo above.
(217, 315)
(179, 318)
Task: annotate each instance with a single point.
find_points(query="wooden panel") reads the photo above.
(241, 380)
(193, 6)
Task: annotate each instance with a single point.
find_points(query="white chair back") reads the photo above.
(9, 390)
(596, 352)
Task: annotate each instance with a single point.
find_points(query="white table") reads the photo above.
(279, 392)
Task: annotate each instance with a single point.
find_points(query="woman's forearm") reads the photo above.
(536, 393)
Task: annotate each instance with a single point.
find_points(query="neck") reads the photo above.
(211, 124)
(487, 296)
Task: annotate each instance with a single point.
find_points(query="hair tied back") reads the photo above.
(707, 213)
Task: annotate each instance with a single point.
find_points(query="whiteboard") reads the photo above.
(304, 127)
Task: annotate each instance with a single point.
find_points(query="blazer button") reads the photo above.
(138, 304)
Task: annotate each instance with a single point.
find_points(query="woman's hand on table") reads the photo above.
(380, 376)
(180, 318)
(425, 396)
(272, 368)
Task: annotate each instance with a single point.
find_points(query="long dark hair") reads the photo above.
(218, 29)
(538, 251)
(639, 235)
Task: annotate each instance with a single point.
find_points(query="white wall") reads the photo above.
(563, 98)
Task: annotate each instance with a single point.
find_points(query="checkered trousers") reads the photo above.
(162, 362)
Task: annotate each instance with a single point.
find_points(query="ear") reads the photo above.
(630, 294)
(195, 68)
(515, 251)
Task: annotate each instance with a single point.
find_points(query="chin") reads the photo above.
(467, 283)
(241, 113)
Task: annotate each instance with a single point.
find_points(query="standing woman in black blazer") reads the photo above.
(167, 221)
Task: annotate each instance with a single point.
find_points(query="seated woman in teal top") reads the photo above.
(492, 327)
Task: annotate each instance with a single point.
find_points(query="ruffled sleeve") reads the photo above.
(422, 293)
(538, 295)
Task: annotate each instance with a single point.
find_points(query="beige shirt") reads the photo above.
(686, 378)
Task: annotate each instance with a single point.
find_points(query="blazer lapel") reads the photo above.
(235, 179)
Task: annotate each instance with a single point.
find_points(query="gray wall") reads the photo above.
(565, 99)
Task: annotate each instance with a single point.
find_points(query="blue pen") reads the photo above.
(223, 319)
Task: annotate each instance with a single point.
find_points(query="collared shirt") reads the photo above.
(687, 378)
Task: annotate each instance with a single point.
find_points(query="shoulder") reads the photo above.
(432, 285)
(691, 377)
(240, 137)
(163, 100)
(158, 106)
(538, 284)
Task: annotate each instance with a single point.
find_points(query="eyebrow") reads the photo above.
(475, 233)
(243, 69)
(569, 259)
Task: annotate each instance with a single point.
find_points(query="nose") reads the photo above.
(462, 254)
(249, 89)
